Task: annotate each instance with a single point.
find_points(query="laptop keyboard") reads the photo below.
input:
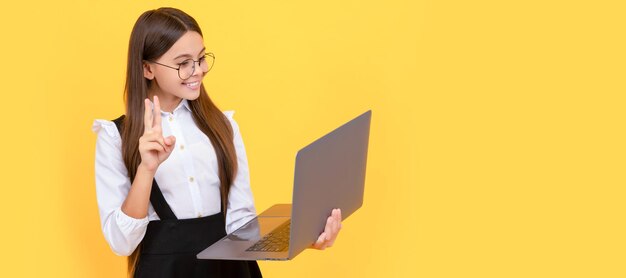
(275, 241)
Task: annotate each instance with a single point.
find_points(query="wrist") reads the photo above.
(143, 168)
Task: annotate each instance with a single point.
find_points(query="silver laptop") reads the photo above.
(330, 173)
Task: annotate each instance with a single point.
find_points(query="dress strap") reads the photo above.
(157, 200)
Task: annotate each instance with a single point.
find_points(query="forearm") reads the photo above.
(136, 203)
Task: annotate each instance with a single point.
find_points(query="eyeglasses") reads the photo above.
(188, 67)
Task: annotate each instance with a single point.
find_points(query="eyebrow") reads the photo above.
(187, 55)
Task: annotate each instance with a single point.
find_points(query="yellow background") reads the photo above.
(496, 149)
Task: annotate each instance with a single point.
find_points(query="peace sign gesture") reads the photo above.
(153, 148)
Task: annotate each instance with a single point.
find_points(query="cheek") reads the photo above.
(174, 86)
(169, 82)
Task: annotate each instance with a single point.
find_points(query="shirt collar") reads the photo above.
(185, 103)
(182, 103)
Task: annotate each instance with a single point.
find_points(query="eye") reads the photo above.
(185, 63)
(202, 58)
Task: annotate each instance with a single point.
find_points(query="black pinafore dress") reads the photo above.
(170, 245)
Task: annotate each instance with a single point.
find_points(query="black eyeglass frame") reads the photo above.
(210, 54)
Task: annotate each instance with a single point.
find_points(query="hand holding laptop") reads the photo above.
(328, 237)
(329, 176)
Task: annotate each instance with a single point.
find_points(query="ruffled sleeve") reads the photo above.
(122, 232)
(240, 207)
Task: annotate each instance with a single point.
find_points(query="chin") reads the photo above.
(192, 96)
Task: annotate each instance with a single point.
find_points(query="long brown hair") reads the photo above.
(153, 34)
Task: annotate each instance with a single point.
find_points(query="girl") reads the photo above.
(172, 174)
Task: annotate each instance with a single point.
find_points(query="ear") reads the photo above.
(147, 71)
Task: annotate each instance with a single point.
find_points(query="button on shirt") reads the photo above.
(188, 179)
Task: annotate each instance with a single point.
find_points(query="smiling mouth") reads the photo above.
(192, 85)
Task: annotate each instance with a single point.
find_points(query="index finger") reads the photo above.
(147, 116)
(157, 112)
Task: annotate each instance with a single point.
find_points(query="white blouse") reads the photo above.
(188, 179)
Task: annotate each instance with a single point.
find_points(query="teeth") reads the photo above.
(193, 84)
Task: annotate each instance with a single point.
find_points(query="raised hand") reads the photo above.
(153, 148)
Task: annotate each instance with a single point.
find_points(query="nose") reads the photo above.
(196, 69)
